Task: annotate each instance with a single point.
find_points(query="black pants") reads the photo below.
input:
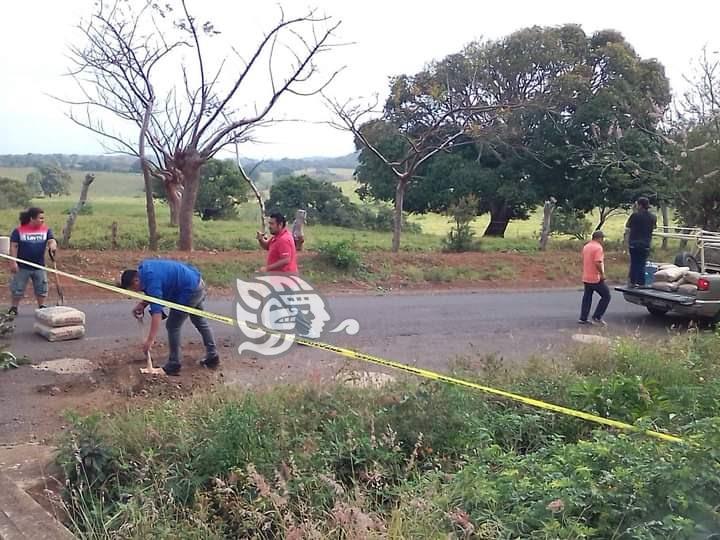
(604, 291)
(638, 260)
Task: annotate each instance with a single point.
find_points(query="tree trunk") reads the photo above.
(499, 220)
(67, 230)
(114, 235)
(173, 200)
(665, 222)
(397, 224)
(147, 177)
(191, 178)
(548, 211)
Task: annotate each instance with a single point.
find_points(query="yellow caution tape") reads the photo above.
(349, 353)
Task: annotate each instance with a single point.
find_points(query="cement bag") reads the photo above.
(671, 274)
(663, 266)
(59, 334)
(60, 316)
(687, 289)
(691, 278)
(667, 286)
(5, 245)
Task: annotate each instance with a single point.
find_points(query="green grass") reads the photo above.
(106, 184)
(416, 460)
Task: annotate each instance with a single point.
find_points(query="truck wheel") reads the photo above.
(686, 259)
(658, 312)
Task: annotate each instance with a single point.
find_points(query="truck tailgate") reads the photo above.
(664, 296)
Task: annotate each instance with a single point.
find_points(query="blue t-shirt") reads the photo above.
(31, 242)
(169, 280)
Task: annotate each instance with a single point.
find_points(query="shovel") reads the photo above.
(149, 370)
(61, 296)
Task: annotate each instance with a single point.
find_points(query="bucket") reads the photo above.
(650, 269)
(5, 245)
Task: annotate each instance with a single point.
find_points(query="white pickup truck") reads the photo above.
(703, 304)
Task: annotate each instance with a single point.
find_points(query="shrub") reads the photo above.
(571, 223)
(384, 220)
(341, 255)
(85, 210)
(460, 237)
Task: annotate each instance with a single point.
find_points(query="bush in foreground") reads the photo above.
(416, 460)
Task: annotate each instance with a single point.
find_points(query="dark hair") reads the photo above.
(127, 277)
(30, 213)
(643, 202)
(279, 218)
(598, 234)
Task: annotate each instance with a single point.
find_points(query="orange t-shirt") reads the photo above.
(592, 254)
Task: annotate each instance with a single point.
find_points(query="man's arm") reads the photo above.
(152, 334)
(13, 253)
(276, 265)
(600, 265)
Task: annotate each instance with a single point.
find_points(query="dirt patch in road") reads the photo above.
(34, 401)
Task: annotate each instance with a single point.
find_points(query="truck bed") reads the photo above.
(647, 292)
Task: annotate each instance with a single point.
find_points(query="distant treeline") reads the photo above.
(131, 164)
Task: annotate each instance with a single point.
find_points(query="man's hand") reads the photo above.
(263, 269)
(260, 235)
(139, 310)
(14, 267)
(147, 346)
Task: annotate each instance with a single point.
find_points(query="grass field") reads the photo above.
(119, 197)
(106, 184)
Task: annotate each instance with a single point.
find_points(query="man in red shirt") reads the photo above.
(280, 247)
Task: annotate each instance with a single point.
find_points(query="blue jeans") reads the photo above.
(19, 281)
(638, 260)
(604, 291)
(176, 320)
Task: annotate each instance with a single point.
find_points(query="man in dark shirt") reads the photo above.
(638, 234)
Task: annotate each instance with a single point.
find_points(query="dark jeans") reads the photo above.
(638, 260)
(604, 291)
(176, 320)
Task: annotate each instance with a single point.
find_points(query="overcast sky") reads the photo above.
(389, 37)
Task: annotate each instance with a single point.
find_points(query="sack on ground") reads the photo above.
(671, 274)
(687, 289)
(59, 334)
(60, 316)
(691, 278)
(667, 286)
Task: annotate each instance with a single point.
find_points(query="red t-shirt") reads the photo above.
(281, 246)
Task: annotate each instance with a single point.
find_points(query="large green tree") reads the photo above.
(323, 202)
(53, 180)
(14, 194)
(584, 137)
(696, 146)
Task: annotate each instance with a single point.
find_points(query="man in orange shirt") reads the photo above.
(280, 247)
(593, 277)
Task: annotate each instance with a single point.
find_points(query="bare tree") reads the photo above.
(441, 129)
(209, 108)
(70, 223)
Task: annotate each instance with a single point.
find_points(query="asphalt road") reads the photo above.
(428, 330)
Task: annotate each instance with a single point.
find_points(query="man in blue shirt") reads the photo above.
(179, 283)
